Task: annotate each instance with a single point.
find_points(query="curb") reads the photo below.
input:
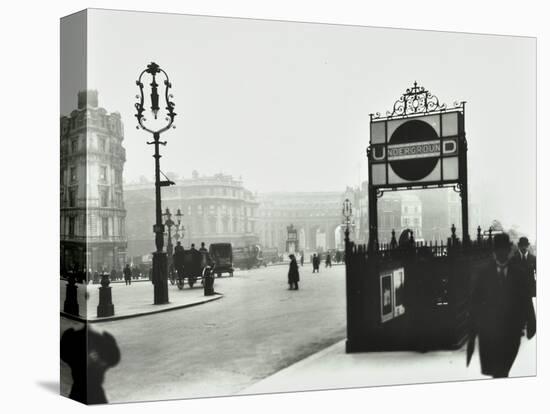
(135, 315)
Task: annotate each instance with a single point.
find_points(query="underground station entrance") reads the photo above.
(407, 295)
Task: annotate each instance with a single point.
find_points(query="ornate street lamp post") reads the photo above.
(156, 127)
(169, 223)
(178, 226)
(347, 212)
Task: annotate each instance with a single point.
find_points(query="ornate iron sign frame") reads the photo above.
(417, 103)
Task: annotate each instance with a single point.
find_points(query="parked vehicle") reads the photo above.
(221, 255)
(248, 257)
(271, 255)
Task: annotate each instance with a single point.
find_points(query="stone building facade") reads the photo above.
(215, 209)
(91, 193)
(411, 214)
(389, 216)
(317, 216)
(399, 210)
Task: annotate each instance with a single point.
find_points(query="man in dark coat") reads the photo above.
(179, 253)
(127, 274)
(328, 261)
(315, 261)
(293, 274)
(501, 308)
(527, 262)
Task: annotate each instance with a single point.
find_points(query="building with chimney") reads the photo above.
(92, 210)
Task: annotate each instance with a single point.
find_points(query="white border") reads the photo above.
(30, 170)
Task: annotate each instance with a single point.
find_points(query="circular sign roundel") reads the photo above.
(413, 150)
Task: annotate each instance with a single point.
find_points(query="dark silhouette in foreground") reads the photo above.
(501, 309)
(89, 354)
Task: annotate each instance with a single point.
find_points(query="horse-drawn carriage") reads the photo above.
(191, 265)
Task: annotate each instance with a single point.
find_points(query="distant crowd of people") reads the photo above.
(315, 259)
(127, 273)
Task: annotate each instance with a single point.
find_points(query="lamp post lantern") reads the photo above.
(178, 226)
(156, 127)
(347, 212)
(169, 223)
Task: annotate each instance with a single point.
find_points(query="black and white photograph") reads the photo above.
(268, 206)
(275, 206)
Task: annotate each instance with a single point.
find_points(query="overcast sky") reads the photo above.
(285, 105)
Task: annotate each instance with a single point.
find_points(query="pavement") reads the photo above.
(132, 300)
(257, 329)
(332, 368)
(261, 338)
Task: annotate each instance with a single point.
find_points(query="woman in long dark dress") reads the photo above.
(293, 274)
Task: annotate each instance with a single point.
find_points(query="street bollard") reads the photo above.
(208, 278)
(71, 302)
(105, 307)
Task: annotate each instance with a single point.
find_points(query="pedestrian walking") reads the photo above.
(527, 263)
(179, 254)
(127, 274)
(113, 274)
(328, 261)
(316, 261)
(501, 308)
(293, 273)
(302, 259)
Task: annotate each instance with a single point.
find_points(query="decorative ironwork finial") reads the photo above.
(154, 70)
(347, 211)
(393, 241)
(415, 100)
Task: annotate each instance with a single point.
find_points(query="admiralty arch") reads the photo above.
(317, 217)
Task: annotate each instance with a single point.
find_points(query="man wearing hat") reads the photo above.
(527, 262)
(501, 308)
(293, 273)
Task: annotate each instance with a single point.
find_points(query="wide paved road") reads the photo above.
(222, 347)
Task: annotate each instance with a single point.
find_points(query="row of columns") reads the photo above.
(215, 225)
(275, 234)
